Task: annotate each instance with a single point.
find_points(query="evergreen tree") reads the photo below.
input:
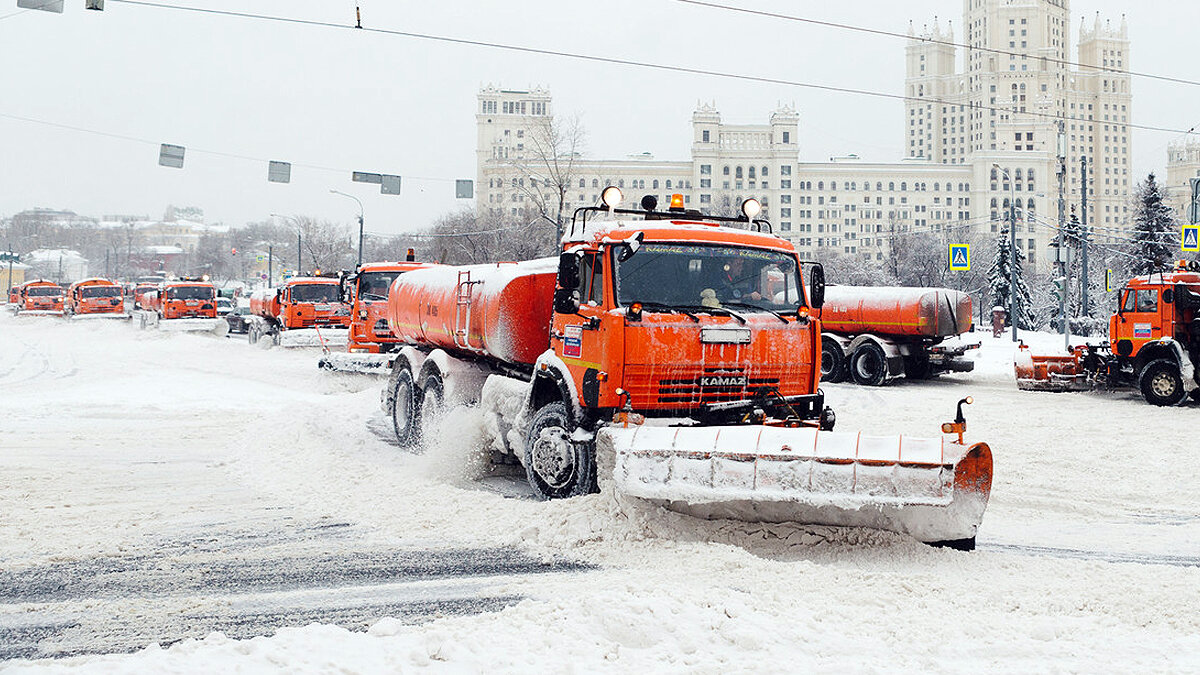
(1155, 233)
(999, 279)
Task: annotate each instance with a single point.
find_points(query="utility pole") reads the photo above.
(270, 264)
(1083, 237)
(1063, 259)
(298, 249)
(360, 222)
(1012, 249)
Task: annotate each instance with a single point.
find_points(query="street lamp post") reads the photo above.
(1012, 249)
(298, 242)
(360, 222)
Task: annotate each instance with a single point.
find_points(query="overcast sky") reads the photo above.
(347, 99)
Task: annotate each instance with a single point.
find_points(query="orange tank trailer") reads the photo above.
(97, 296)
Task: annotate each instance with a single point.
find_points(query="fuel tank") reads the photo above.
(501, 310)
(896, 310)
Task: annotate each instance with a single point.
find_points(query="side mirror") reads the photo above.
(568, 271)
(630, 246)
(566, 300)
(816, 286)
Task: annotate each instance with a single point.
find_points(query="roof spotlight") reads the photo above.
(649, 202)
(611, 196)
(751, 208)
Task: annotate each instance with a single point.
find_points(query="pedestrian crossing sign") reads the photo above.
(1191, 238)
(960, 257)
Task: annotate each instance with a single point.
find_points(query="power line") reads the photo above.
(622, 61)
(991, 50)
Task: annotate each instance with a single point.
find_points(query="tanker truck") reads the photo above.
(187, 304)
(670, 357)
(372, 344)
(304, 312)
(873, 335)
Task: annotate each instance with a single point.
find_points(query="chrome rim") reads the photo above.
(554, 457)
(1163, 385)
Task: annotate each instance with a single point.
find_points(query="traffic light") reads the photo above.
(233, 251)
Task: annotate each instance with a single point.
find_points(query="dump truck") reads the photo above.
(96, 298)
(672, 357)
(873, 335)
(303, 312)
(38, 296)
(1153, 344)
(188, 304)
(371, 344)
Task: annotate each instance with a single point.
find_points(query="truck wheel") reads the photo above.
(833, 361)
(406, 405)
(556, 466)
(1161, 384)
(252, 334)
(868, 365)
(429, 414)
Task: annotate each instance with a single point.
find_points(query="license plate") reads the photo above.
(722, 335)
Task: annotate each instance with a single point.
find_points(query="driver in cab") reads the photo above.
(736, 283)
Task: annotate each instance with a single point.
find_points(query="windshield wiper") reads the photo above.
(663, 307)
(757, 308)
(367, 296)
(720, 311)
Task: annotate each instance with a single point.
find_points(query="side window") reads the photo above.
(1128, 304)
(1147, 300)
(591, 280)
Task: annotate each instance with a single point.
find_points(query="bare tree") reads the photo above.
(547, 166)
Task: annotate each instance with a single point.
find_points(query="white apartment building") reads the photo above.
(1183, 164)
(999, 110)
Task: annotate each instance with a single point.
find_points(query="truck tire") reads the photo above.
(868, 365)
(406, 407)
(429, 413)
(556, 466)
(833, 361)
(252, 334)
(1161, 383)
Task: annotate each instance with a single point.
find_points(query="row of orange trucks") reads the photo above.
(89, 298)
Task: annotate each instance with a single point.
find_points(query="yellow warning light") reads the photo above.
(676, 202)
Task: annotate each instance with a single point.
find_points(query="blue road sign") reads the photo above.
(960, 257)
(1191, 238)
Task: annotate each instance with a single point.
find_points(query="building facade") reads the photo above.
(1183, 164)
(978, 140)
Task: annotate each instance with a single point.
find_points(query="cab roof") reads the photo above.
(697, 231)
(393, 266)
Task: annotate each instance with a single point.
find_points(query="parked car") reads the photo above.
(224, 306)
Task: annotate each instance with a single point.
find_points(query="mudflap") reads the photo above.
(366, 364)
(932, 489)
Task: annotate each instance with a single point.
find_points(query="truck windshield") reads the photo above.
(316, 293)
(701, 275)
(191, 293)
(44, 290)
(100, 291)
(375, 285)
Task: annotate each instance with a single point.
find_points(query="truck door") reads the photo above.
(582, 341)
(1139, 321)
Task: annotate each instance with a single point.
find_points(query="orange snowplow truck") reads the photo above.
(702, 323)
(872, 335)
(305, 311)
(1153, 344)
(371, 344)
(39, 297)
(96, 298)
(187, 304)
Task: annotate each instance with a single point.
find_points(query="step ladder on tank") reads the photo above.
(462, 312)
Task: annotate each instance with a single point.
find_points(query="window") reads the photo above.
(787, 137)
(704, 136)
(725, 170)
(654, 184)
(706, 169)
(738, 172)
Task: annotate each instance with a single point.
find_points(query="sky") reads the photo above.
(332, 100)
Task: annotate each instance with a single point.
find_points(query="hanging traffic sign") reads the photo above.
(1191, 238)
(960, 257)
(1108, 281)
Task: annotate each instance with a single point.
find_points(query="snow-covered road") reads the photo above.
(155, 487)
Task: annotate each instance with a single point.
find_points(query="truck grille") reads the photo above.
(689, 386)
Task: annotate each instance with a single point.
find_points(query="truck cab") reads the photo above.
(95, 296)
(366, 290)
(40, 297)
(674, 314)
(1155, 333)
(188, 298)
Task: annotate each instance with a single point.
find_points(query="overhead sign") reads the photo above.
(960, 257)
(389, 185)
(364, 177)
(1191, 238)
(44, 5)
(171, 155)
(1195, 210)
(464, 189)
(279, 172)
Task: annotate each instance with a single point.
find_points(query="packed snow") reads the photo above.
(113, 441)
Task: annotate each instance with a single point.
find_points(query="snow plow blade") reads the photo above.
(314, 337)
(217, 327)
(932, 489)
(367, 364)
(1048, 373)
(106, 315)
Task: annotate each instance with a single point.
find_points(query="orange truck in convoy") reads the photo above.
(1153, 344)
(96, 298)
(37, 297)
(305, 311)
(671, 357)
(873, 335)
(187, 304)
(372, 344)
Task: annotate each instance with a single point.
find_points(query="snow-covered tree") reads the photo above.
(1155, 234)
(999, 279)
